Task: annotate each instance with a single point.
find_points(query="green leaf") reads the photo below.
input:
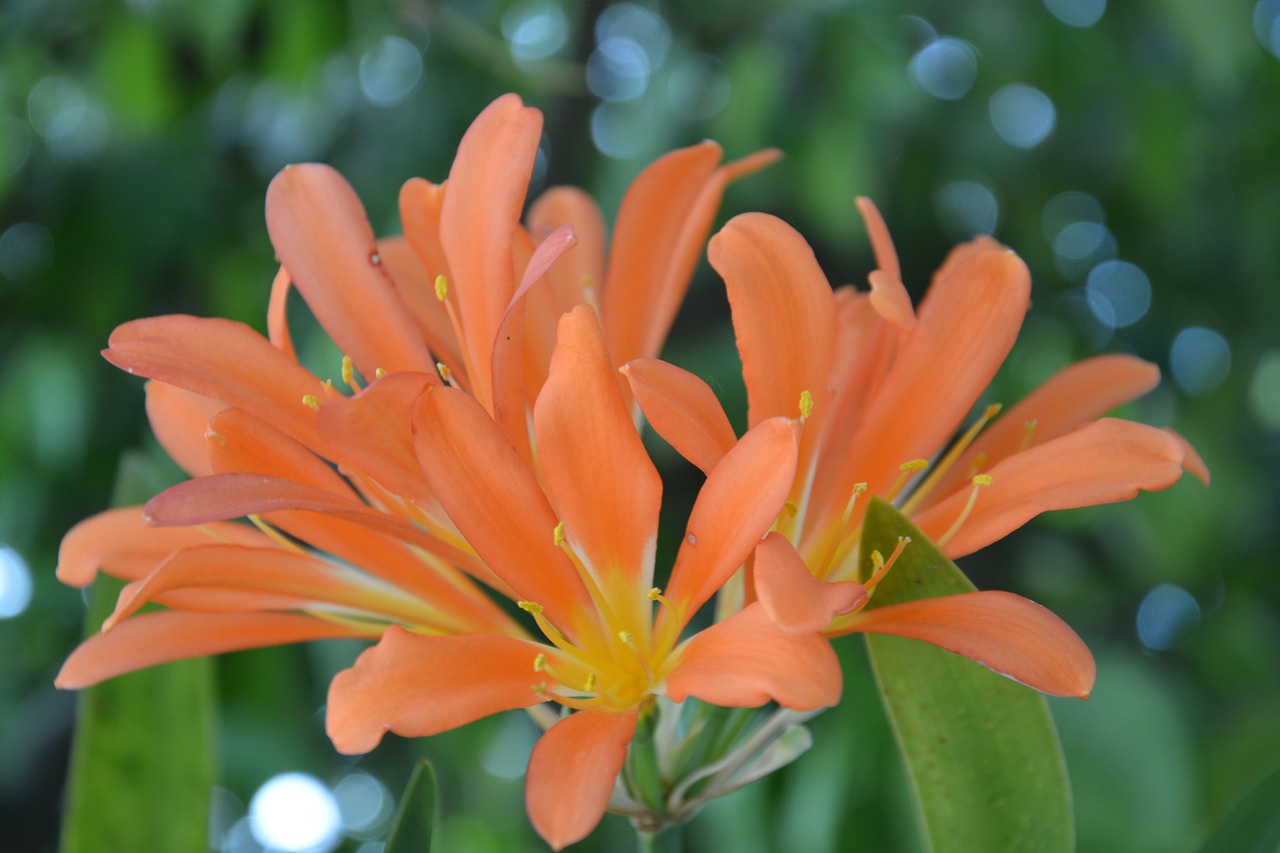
(415, 818)
(1253, 826)
(142, 763)
(981, 751)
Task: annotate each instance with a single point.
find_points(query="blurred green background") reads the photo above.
(1130, 152)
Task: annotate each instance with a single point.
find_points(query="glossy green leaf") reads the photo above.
(415, 818)
(142, 764)
(981, 751)
(1253, 826)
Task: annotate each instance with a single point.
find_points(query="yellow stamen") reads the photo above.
(379, 372)
(909, 470)
(944, 465)
(880, 566)
(540, 662)
(311, 401)
(276, 536)
(530, 607)
(349, 372)
(625, 637)
(445, 373)
(1030, 427)
(442, 288)
(806, 404)
(590, 686)
(558, 535)
(978, 482)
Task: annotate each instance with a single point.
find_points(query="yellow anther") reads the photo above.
(880, 566)
(530, 607)
(348, 371)
(806, 404)
(445, 373)
(877, 561)
(540, 689)
(625, 637)
(442, 288)
(540, 662)
(311, 400)
(982, 480)
(655, 594)
(791, 509)
(913, 466)
(992, 411)
(379, 373)
(1030, 427)
(590, 686)
(558, 536)
(908, 470)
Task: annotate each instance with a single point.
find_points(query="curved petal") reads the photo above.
(794, 599)
(479, 215)
(682, 409)
(572, 771)
(599, 477)
(493, 498)
(322, 236)
(221, 359)
(892, 302)
(277, 313)
(1192, 461)
(416, 287)
(747, 660)
(179, 419)
(240, 443)
(1080, 393)
(1002, 631)
(121, 543)
(1103, 462)
(881, 242)
(416, 685)
(737, 505)
(168, 635)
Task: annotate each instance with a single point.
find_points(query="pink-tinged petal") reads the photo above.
(290, 574)
(1191, 462)
(491, 495)
(1103, 462)
(881, 242)
(783, 312)
(737, 505)
(682, 409)
(154, 638)
(963, 334)
(178, 419)
(794, 599)
(892, 302)
(373, 432)
(1080, 393)
(278, 313)
(479, 215)
(572, 771)
(747, 660)
(239, 443)
(221, 359)
(416, 685)
(121, 543)
(1002, 631)
(671, 204)
(322, 236)
(588, 448)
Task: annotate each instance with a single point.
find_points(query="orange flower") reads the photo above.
(579, 556)
(261, 434)
(883, 391)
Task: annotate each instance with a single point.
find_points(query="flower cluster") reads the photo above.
(483, 447)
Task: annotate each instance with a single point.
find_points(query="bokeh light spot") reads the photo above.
(1166, 613)
(1264, 391)
(1081, 247)
(697, 87)
(15, 583)
(295, 812)
(1266, 25)
(1022, 115)
(26, 250)
(621, 130)
(638, 24)
(364, 803)
(390, 71)
(1077, 13)
(1200, 360)
(72, 123)
(945, 68)
(966, 208)
(1068, 207)
(1119, 293)
(535, 30)
(618, 69)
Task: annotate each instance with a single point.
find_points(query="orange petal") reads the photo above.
(737, 505)
(963, 334)
(179, 419)
(1191, 461)
(892, 302)
(493, 498)
(1103, 462)
(747, 660)
(588, 447)
(417, 685)
(572, 772)
(1002, 631)
(783, 312)
(1080, 393)
(881, 242)
(416, 288)
(682, 409)
(123, 544)
(154, 638)
(243, 444)
(221, 359)
(322, 236)
(277, 313)
(480, 212)
(794, 599)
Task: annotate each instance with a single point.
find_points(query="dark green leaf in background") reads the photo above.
(415, 819)
(981, 751)
(1253, 826)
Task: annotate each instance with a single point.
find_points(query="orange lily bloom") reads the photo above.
(883, 390)
(578, 552)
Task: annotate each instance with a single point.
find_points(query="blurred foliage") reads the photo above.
(136, 143)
